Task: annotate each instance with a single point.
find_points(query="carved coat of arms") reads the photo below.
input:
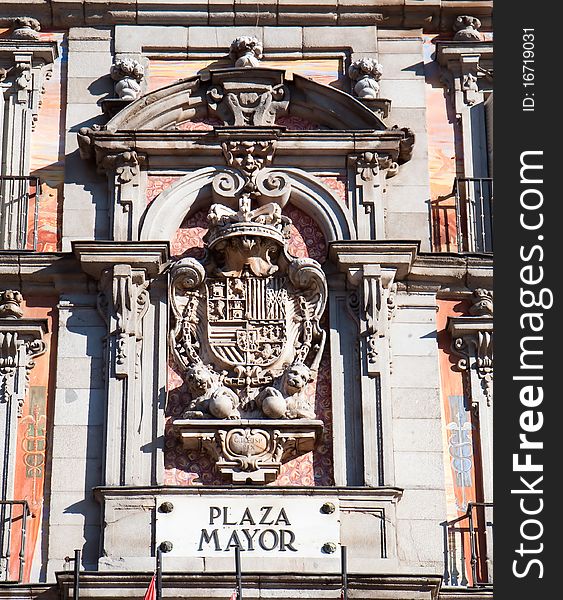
(246, 331)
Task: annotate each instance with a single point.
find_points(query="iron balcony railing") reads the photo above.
(474, 213)
(468, 547)
(463, 220)
(13, 526)
(19, 212)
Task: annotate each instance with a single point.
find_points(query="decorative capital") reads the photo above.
(21, 341)
(125, 165)
(366, 72)
(10, 305)
(245, 51)
(128, 74)
(466, 29)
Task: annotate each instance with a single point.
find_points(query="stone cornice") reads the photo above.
(452, 271)
(465, 326)
(96, 256)
(394, 493)
(451, 51)
(396, 255)
(430, 15)
(41, 273)
(42, 51)
(217, 585)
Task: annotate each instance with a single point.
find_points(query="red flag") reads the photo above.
(234, 595)
(150, 594)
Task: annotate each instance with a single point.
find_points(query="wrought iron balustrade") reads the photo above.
(468, 547)
(13, 526)
(19, 212)
(474, 213)
(463, 220)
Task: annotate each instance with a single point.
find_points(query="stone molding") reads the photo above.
(217, 585)
(465, 64)
(432, 16)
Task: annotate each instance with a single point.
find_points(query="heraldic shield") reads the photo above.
(247, 340)
(246, 319)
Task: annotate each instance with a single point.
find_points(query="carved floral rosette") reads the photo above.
(247, 339)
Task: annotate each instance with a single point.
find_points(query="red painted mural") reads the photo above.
(32, 441)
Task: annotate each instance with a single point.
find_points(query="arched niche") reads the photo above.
(167, 212)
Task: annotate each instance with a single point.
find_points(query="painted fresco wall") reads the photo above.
(442, 148)
(47, 153)
(32, 441)
(164, 72)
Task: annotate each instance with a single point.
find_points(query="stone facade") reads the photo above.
(226, 313)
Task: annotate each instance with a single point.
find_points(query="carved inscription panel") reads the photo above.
(261, 525)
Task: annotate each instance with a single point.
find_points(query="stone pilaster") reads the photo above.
(371, 269)
(124, 272)
(20, 343)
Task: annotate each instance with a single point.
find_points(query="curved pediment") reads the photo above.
(245, 97)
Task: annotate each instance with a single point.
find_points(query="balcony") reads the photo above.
(19, 212)
(468, 547)
(13, 525)
(463, 220)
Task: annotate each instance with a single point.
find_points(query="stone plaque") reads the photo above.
(261, 525)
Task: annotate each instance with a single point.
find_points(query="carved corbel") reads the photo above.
(21, 341)
(127, 297)
(372, 269)
(125, 168)
(465, 61)
(123, 272)
(472, 342)
(125, 165)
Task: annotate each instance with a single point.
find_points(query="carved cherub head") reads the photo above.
(296, 377)
(199, 379)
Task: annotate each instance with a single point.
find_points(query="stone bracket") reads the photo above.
(463, 64)
(373, 268)
(472, 341)
(123, 271)
(21, 340)
(249, 450)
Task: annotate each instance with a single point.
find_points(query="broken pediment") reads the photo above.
(255, 96)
